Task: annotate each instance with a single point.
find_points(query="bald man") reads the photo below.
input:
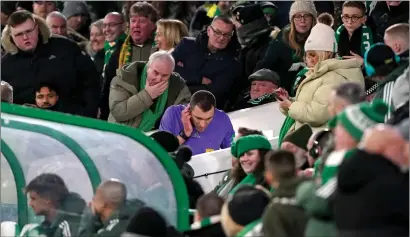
(57, 23)
(108, 207)
(397, 38)
(114, 26)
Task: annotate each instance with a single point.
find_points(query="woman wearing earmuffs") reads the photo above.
(383, 66)
(251, 151)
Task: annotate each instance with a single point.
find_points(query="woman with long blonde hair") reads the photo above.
(285, 52)
(324, 72)
(169, 33)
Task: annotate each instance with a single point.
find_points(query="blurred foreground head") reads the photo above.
(6, 91)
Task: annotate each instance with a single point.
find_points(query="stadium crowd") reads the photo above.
(338, 71)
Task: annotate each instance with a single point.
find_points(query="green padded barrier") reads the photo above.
(169, 165)
(20, 182)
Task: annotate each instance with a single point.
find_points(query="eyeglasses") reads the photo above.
(217, 33)
(25, 33)
(304, 17)
(112, 24)
(353, 18)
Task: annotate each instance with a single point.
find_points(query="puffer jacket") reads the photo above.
(312, 96)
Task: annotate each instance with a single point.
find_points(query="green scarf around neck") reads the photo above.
(149, 117)
(249, 228)
(366, 39)
(109, 47)
(288, 123)
(250, 179)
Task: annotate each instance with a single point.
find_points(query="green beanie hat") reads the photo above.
(355, 119)
(247, 143)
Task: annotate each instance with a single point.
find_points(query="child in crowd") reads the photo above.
(353, 37)
(283, 216)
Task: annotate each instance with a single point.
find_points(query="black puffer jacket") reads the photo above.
(57, 60)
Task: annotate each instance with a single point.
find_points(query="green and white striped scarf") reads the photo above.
(367, 37)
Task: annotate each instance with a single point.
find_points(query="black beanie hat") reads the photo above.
(247, 205)
(249, 14)
(148, 222)
(380, 56)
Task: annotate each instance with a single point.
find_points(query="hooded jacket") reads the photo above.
(193, 61)
(376, 188)
(312, 96)
(127, 101)
(65, 224)
(58, 60)
(283, 216)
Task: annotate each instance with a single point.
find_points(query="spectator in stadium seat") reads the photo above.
(316, 146)
(397, 38)
(251, 151)
(296, 142)
(387, 13)
(33, 54)
(312, 95)
(283, 216)
(205, 14)
(354, 37)
(43, 8)
(207, 217)
(147, 222)
(236, 173)
(49, 197)
(169, 34)
(136, 47)
(367, 181)
(242, 213)
(78, 16)
(47, 97)
(141, 92)
(286, 49)
(253, 33)
(95, 47)
(6, 92)
(264, 82)
(57, 23)
(344, 95)
(208, 62)
(199, 125)
(383, 66)
(113, 28)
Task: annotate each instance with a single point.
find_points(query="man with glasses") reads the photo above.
(208, 62)
(33, 56)
(113, 29)
(354, 37)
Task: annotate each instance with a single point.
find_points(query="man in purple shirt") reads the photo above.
(199, 125)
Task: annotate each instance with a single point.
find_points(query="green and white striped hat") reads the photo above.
(359, 117)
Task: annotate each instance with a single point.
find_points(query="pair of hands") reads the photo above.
(356, 56)
(283, 98)
(156, 90)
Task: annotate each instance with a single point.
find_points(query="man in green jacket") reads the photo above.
(49, 197)
(141, 92)
(110, 213)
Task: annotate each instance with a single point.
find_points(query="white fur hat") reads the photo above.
(321, 38)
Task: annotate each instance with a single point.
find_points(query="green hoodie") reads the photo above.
(91, 226)
(66, 222)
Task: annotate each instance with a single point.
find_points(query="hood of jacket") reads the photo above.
(349, 69)
(10, 47)
(233, 46)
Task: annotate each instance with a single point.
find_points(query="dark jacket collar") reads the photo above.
(232, 48)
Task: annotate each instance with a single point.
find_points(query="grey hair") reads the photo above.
(351, 92)
(98, 23)
(56, 14)
(162, 55)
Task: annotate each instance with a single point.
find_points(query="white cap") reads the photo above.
(321, 38)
